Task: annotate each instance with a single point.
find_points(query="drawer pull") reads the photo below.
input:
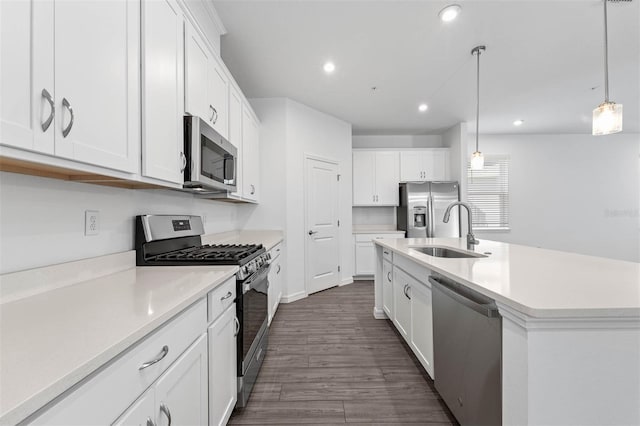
(165, 410)
(385, 252)
(160, 357)
(226, 296)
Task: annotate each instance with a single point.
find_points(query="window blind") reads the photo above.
(488, 193)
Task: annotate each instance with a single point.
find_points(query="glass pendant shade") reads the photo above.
(607, 119)
(477, 161)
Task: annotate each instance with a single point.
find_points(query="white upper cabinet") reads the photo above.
(235, 133)
(219, 98)
(196, 79)
(97, 82)
(83, 103)
(424, 165)
(27, 92)
(375, 178)
(250, 155)
(163, 90)
(206, 83)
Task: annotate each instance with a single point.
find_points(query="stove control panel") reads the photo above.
(256, 264)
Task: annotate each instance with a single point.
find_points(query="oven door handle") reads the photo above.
(256, 277)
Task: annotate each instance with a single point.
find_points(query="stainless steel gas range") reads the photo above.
(175, 240)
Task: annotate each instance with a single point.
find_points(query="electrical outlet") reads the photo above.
(91, 222)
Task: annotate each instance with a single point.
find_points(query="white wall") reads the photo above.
(575, 193)
(455, 139)
(397, 141)
(374, 215)
(42, 220)
(289, 130)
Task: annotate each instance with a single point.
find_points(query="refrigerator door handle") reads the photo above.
(430, 224)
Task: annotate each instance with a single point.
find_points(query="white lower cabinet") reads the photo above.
(183, 373)
(421, 334)
(222, 368)
(364, 252)
(402, 303)
(387, 288)
(141, 412)
(178, 397)
(275, 283)
(412, 313)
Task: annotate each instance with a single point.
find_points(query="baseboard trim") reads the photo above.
(346, 281)
(363, 277)
(293, 297)
(379, 313)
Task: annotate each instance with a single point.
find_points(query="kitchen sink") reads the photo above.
(446, 252)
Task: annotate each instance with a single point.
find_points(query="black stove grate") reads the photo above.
(211, 254)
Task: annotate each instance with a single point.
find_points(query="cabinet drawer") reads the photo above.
(387, 254)
(104, 396)
(361, 238)
(220, 298)
(416, 271)
(275, 251)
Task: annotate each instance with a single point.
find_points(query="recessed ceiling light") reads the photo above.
(422, 107)
(329, 67)
(449, 13)
(518, 122)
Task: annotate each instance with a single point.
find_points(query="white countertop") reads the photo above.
(267, 238)
(537, 282)
(376, 229)
(52, 340)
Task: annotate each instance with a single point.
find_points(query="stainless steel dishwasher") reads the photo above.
(467, 340)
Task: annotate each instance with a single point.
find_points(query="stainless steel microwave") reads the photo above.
(210, 158)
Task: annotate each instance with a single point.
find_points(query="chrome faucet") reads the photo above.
(471, 239)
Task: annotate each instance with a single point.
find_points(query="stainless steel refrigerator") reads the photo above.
(422, 206)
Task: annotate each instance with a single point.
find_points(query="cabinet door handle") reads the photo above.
(253, 189)
(212, 112)
(214, 116)
(183, 162)
(389, 276)
(313, 232)
(279, 268)
(164, 409)
(52, 108)
(66, 130)
(160, 357)
(406, 289)
(150, 422)
(226, 296)
(373, 198)
(237, 321)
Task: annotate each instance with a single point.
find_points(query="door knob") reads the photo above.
(313, 232)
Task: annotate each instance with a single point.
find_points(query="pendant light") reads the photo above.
(607, 118)
(477, 159)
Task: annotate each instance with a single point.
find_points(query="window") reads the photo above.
(488, 193)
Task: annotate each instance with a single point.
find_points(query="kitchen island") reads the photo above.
(570, 325)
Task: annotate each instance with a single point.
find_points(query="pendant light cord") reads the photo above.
(477, 51)
(606, 56)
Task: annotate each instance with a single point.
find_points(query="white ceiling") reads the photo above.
(543, 63)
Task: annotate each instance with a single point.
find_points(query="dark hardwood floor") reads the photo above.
(330, 362)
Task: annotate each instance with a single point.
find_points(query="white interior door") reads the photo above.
(322, 255)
